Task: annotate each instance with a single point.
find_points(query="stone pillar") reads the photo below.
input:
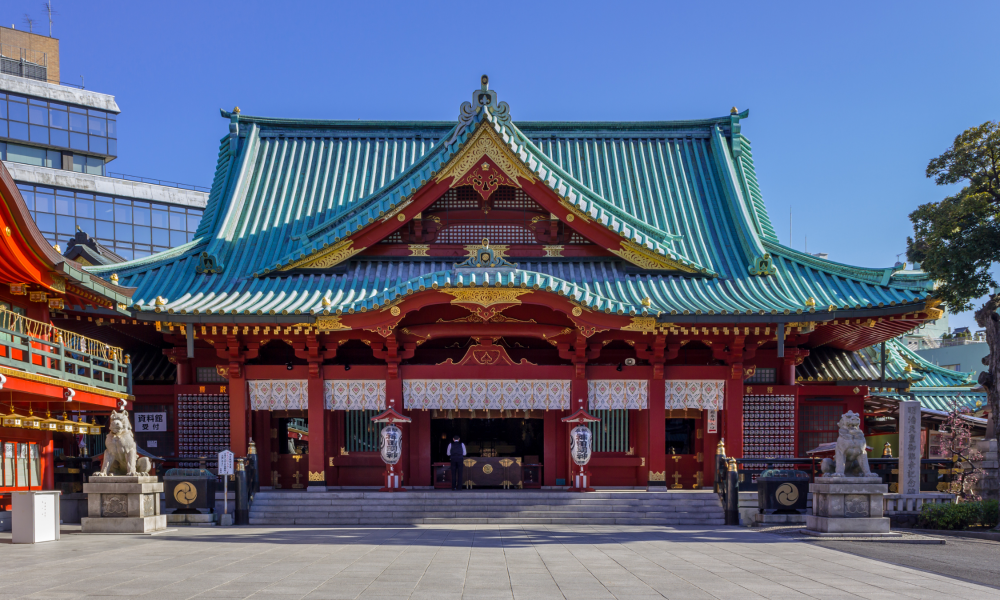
(987, 487)
(317, 432)
(657, 459)
(909, 447)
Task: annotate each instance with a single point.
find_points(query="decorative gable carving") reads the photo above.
(485, 148)
(485, 353)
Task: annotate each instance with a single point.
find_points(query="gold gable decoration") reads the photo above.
(647, 259)
(326, 258)
(329, 323)
(485, 297)
(485, 142)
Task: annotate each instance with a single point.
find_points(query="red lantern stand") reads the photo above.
(392, 477)
(581, 479)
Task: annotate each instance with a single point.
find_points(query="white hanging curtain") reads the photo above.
(479, 394)
(704, 394)
(354, 394)
(278, 394)
(608, 394)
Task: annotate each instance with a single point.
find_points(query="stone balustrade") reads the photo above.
(912, 504)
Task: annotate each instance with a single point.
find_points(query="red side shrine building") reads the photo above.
(487, 277)
(53, 381)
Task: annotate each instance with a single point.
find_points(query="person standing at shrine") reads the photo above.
(456, 452)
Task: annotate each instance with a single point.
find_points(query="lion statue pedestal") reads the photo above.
(122, 497)
(847, 498)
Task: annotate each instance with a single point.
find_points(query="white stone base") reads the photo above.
(123, 524)
(848, 505)
(857, 525)
(822, 534)
(123, 504)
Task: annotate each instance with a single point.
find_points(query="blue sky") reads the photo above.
(848, 101)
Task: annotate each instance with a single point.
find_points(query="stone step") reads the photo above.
(497, 494)
(484, 521)
(337, 508)
(498, 505)
(462, 499)
(478, 514)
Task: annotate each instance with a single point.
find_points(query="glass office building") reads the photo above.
(132, 228)
(58, 125)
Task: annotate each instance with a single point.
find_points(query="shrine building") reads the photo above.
(488, 277)
(51, 378)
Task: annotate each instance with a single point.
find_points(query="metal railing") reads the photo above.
(183, 186)
(23, 62)
(44, 349)
(933, 471)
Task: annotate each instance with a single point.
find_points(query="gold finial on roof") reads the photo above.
(647, 302)
(161, 301)
(236, 110)
(485, 79)
(57, 248)
(810, 301)
(733, 111)
(114, 278)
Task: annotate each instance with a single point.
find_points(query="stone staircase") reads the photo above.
(521, 507)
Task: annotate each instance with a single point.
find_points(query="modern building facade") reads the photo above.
(58, 141)
(495, 279)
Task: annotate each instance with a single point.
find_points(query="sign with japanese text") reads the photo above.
(225, 462)
(713, 421)
(150, 421)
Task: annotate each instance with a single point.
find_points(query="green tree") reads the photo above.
(957, 240)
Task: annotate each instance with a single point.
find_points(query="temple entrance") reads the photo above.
(289, 449)
(684, 449)
(502, 451)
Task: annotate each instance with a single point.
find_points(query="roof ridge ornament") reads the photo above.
(485, 258)
(482, 99)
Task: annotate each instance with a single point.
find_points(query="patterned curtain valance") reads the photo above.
(479, 394)
(278, 394)
(605, 394)
(688, 393)
(354, 394)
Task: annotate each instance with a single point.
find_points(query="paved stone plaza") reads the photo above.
(443, 563)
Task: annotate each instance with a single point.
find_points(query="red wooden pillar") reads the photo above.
(334, 431)
(708, 453)
(656, 457)
(238, 409)
(787, 376)
(551, 439)
(394, 400)
(733, 412)
(579, 400)
(420, 448)
(48, 463)
(317, 432)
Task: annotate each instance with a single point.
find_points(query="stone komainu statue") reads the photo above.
(850, 458)
(120, 454)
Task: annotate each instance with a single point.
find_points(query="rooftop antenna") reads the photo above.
(47, 6)
(29, 22)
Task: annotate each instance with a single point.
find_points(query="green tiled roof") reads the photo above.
(933, 386)
(686, 190)
(901, 364)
